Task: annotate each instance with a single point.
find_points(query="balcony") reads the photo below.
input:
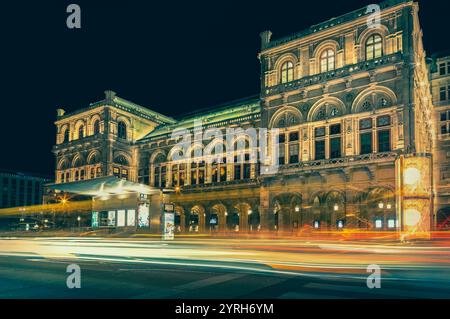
(338, 73)
(81, 141)
(245, 182)
(341, 162)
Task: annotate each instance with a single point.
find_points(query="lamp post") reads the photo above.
(79, 223)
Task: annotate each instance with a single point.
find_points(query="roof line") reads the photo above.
(233, 103)
(334, 21)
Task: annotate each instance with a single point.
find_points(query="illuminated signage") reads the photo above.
(94, 222)
(168, 226)
(121, 218)
(143, 216)
(131, 217)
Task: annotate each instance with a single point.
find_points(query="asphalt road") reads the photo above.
(211, 268)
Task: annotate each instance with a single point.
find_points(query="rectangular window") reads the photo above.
(293, 137)
(320, 150)
(116, 171)
(214, 177)
(237, 172)
(247, 170)
(442, 95)
(194, 176)
(335, 147)
(444, 129)
(182, 178)
(442, 69)
(448, 67)
(282, 138)
(366, 143)
(201, 176)
(443, 116)
(384, 141)
(319, 132)
(223, 172)
(281, 155)
(163, 176)
(383, 121)
(335, 129)
(365, 124)
(157, 176)
(293, 153)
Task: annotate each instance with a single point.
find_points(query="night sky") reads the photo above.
(173, 57)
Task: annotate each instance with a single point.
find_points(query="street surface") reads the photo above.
(221, 268)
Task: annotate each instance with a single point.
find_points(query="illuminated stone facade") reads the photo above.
(349, 98)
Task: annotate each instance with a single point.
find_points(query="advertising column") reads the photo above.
(168, 221)
(415, 197)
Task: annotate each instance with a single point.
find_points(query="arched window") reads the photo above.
(66, 136)
(81, 131)
(121, 160)
(374, 47)
(327, 61)
(122, 130)
(287, 72)
(121, 168)
(96, 127)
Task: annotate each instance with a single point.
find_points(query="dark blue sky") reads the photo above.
(173, 57)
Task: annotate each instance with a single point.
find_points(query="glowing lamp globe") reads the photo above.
(412, 217)
(412, 176)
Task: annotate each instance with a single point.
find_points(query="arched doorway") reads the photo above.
(380, 209)
(196, 221)
(254, 220)
(336, 208)
(217, 218)
(287, 210)
(233, 220)
(316, 214)
(276, 215)
(180, 220)
(297, 213)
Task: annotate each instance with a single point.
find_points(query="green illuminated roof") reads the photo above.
(222, 115)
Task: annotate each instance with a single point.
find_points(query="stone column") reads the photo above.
(243, 218)
(284, 221)
(201, 222)
(182, 222)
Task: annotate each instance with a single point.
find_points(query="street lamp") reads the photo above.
(381, 205)
(79, 222)
(336, 207)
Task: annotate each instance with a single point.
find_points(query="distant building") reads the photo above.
(440, 86)
(21, 189)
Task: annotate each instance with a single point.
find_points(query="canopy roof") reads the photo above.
(104, 186)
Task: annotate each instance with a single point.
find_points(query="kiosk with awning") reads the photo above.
(118, 202)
